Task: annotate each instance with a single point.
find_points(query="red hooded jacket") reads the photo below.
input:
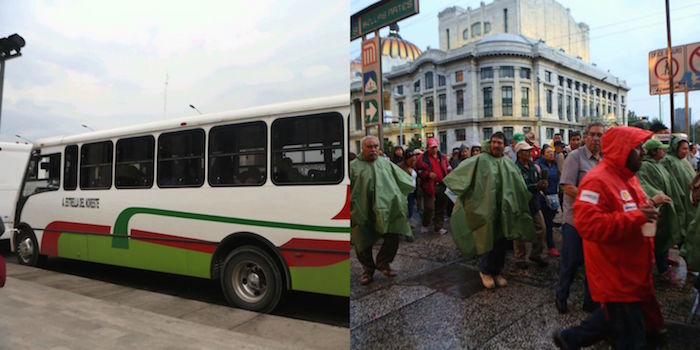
(618, 258)
(425, 167)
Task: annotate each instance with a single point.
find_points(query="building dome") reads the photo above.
(396, 47)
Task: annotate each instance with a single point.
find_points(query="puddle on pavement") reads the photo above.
(454, 279)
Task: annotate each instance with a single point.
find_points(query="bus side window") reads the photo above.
(308, 149)
(96, 165)
(238, 154)
(70, 169)
(134, 163)
(181, 158)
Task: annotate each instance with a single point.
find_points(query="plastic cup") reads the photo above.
(649, 229)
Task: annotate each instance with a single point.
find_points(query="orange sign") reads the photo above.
(369, 53)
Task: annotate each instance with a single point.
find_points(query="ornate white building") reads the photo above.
(496, 83)
(544, 20)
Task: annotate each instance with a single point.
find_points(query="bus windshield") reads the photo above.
(43, 174)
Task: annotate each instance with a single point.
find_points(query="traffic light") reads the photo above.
(12, 43)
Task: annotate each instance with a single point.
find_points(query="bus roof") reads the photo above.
(15, 146)
(306, 105)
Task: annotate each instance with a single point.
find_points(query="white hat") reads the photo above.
(522, 146)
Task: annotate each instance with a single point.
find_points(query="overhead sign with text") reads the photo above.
(684, 68)
(379, 15)
(371, 81)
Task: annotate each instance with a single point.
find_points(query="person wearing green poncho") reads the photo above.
(680, 168)
(661, 187)
(378, 205)
(492, 208)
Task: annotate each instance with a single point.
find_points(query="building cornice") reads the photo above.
(509, 46)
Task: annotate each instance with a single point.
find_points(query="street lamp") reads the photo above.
(87, 127)
(25, 139)
(195, 108)
(9, 48)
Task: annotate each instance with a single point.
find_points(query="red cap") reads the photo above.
(432, 142)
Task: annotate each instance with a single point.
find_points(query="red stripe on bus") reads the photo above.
(344, 213)
(49, 241)
(174, 241)
(299, 252)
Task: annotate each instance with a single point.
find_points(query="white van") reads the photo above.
(13, 161)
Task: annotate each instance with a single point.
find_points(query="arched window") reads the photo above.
(487, 27)
(465, 34)
(476, 29)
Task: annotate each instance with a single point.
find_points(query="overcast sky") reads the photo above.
(104, 63)
(622, 34)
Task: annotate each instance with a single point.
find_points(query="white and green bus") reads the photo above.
(257, 198)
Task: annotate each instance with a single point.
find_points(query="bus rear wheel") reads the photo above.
(27, 249)
(251, 280)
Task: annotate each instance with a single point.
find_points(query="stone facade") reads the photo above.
(544, 20)
(518, 73)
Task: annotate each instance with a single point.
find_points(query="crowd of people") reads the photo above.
(625, 198)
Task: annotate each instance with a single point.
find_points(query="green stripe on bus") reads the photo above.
(141, 255)
(121, 226)
(332, 279)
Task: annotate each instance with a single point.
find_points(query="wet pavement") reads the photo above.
(437, 301)
(78, 305)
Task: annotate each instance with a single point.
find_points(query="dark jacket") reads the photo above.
(532, 176)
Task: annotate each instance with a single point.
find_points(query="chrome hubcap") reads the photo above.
(249, 281)
(26, 249)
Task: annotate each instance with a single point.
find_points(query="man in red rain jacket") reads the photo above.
(609, 213)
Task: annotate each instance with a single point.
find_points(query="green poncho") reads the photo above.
(682, 171)
(378, 200)
(655, 179)
(492, 203)
(691, 245)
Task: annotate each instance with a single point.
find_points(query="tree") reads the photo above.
(388, 147)
(415, 143)
(631, 118)
(695, 132)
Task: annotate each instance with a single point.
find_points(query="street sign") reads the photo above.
(379, 15)
(685, 69)
(371, 81)
(371, 112)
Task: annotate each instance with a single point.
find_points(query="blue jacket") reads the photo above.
(552, 175)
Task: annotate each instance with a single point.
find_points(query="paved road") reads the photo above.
(437, 301)
(151, 310)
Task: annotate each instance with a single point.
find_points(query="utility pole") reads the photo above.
(669, 61)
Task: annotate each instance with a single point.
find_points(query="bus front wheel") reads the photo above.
(251, 280)
(27, 248)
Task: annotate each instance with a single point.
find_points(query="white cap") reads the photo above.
(522, 146)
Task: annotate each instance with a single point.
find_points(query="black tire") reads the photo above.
(27, 248)
(251, 279)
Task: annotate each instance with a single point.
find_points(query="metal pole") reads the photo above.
(539, 110)
(2, 79)
(401, 131)
(687, 119)
(670, 60)
(380, 87)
